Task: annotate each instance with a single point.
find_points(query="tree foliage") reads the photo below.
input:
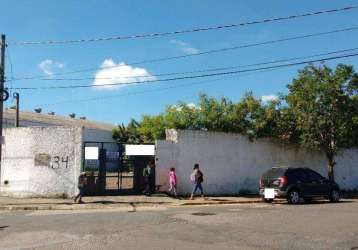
(249, 116)
(322, 101)
(128, 134)
(320, 111)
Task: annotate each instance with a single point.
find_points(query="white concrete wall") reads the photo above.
(165, 159)
(232, 164)
(48, 176)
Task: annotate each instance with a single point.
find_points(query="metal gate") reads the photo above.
(109, 171)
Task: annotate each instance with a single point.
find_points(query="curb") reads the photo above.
(79, 207)
(129, 205)
(219, 203)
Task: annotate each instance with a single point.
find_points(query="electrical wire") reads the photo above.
(188, 77)
(152, 90)
(203, 70)
(196, 54)
(191, 30)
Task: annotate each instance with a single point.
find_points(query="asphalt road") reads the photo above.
(250, 226)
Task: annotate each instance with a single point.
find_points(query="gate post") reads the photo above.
(102, 171)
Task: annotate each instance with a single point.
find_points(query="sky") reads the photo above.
(112, 61)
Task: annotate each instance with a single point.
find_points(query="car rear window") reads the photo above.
(274, 173)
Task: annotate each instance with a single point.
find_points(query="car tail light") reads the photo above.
(283, 180)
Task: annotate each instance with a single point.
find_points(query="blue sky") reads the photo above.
(39, 20)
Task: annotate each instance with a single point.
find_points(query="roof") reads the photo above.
(29, 119)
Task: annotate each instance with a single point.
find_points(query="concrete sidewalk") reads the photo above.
(108, 202)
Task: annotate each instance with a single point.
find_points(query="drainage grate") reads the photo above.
(202, 214)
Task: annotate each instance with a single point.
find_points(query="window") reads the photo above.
(301, 175)
(314, 176)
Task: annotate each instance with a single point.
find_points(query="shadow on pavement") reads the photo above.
(219, 199)
(314, 202)
(3, 227)
(104, 202)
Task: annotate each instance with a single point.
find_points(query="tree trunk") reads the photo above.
(331, 164)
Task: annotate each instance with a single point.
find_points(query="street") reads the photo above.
(320, 225)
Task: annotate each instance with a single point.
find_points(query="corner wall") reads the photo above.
(41, 162)
(232, 164)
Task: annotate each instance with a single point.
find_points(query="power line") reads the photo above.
(197, 54)
(191, 30)
(154, 90)
(203, 70)
(188, 77)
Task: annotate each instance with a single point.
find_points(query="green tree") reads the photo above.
(323, 104)
(152, 127)
(128, 134)
(214, 115)
(182, 116)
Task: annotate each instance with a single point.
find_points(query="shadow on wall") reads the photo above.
(248, 186)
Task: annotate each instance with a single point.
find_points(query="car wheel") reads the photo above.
(334, 196)
(293, 197)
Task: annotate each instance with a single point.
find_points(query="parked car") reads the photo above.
(295, 184)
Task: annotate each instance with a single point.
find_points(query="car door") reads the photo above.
(304, 182)
(319, 184)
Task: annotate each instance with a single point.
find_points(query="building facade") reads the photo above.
(44, 156)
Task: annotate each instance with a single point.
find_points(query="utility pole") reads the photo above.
(17, 97)
(2, 91)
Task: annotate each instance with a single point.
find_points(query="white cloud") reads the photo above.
(186, 47)
(191, 105)
(119, 74)
(190, 50)
(188, 105)
(269, 98)
(48, 66)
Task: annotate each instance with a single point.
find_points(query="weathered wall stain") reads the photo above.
(42, 160)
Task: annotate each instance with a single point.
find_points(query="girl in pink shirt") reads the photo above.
(173, 182)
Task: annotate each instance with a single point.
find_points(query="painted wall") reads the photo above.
(232, 164)
(41, 161)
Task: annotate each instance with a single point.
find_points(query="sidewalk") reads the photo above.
(108, 202)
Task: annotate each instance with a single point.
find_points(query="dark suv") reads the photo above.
(296, 183)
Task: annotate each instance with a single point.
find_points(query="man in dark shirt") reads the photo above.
(82, 181)
(147, 175)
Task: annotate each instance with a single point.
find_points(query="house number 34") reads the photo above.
(59, 162)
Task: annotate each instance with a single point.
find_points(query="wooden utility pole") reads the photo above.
(2, 83)
(17, 97)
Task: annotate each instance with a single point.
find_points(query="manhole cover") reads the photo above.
(202, 214)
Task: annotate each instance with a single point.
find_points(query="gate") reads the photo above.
(109, 171)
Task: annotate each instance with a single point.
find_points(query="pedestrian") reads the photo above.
(197, 178)
(173, 182)
(82, 181)
(147, 173)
